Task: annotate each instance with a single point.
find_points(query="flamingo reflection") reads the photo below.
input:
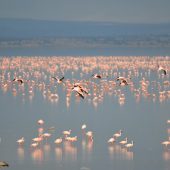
(70, 152)
(58, 153)
(37, 155)
(47, 149)
(21, 153)
(87, 150)
(116, 152)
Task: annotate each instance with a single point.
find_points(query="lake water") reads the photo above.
(77, 51)
(140, 109)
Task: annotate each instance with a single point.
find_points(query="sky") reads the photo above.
(129, 11)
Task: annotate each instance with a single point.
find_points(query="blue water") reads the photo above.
(144, 122)
(116, 51)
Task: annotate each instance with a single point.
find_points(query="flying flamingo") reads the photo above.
(166, 143)
(59, 80)
(18, 80)
(160, 68)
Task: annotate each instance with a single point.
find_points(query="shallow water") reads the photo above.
(117, 51)
(142, 120)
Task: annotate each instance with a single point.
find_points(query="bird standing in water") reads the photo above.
(129, 145)
(21, 141)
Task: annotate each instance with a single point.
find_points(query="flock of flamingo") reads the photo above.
(71, 139)
(67, 142)
(90, 79)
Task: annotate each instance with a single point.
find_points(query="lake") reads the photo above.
(140, 108)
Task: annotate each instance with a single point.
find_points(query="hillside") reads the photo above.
(40, 33)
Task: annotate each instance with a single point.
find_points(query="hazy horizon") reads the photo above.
(82, 37)
(85, 21)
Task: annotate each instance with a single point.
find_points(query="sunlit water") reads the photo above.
(140, 109)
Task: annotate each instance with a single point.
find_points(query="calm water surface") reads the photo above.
(142, 120)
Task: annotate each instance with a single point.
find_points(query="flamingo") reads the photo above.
(96, 76)
(34, 145)
(166, 143)
(40, 122)
(71, 139)
(21, 141)
(160, 68)
(58, 141)
(120, 78)
(46, 135)
(90, 135)
(18, 80)
(129, 145)
(67, 132)
(123, 81)
(59, 80)
(78, 90)
(83, 127)
(38, 139)
(168, 121)
(118, 134)
(111, 141)
(123, 142)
